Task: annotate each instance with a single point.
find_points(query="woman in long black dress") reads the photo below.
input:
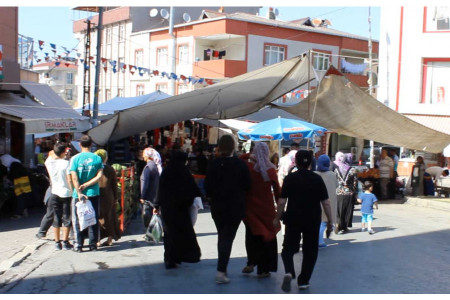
(176, 193)
(345, 191)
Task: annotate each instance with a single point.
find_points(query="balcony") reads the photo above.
(219, 68)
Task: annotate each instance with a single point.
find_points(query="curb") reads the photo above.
(434, 203)
(20, 256)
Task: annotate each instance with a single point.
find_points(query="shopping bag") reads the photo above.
(195, 207)
(86, 214)
(155, 228)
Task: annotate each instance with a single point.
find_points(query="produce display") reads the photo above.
(370, 173)
(126, 184)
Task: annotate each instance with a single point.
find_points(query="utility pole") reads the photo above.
(372, 158)
(174, 53)
(87, 72)
(97, 66)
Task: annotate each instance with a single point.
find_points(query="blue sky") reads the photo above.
(53, 24)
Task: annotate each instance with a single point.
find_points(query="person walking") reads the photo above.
(86, 169)
(260, 233)
(345, 191)
(367, 200)
(176, 193)
(386, 167)
(149, 185)
(227, 180)
(61, 192)
(284, 164)
(304, 191)
(330, 180)
(109, 197)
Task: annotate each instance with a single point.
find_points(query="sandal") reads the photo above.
(106, 244)
(248, 269)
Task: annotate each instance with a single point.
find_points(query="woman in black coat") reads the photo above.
(176, 193)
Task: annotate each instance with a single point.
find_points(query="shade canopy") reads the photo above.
(344, 108)
(235, 97)
(281, 129)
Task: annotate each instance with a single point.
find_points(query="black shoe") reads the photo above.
(78, 249)
(67, 245)
(40, 235)
(58, 246)
(170, 265)
(92, 248)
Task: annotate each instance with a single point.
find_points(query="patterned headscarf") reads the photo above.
(262, 164)
(340, 161)
(153, 155)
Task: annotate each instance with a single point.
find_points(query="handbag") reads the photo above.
(86, 214)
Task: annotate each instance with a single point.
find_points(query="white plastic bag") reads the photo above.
(86, 214)
(195, 207)
(155, 228)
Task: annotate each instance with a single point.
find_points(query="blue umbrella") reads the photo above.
(281, 129)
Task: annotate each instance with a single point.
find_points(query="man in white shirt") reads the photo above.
(386, 167)
(436, 172)
(58, 170)
(7, 160)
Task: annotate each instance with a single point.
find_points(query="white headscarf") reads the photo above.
(261, 156)
(154, 156)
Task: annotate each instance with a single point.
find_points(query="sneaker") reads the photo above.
(222, 278)
(40, 235)
(303, 286)
(322, 245)
(78, 249)
(58, 246)
(363, 229)
(92, 248)
(286, 285)
(371, 231)
(341, 232)
(263, 275)
(67, 245)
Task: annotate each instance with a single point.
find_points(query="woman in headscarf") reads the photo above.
(149, 184)
(176, 193)
(109, 223)
(346, 190)
(286, 165)
(260, 237)
(329, 178)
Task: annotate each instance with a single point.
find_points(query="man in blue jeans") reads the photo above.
(86, 169)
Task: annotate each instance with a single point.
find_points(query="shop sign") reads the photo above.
(60, 126)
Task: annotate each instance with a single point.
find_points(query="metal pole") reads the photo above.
(372, 158)
(174, 53)
(97, 66)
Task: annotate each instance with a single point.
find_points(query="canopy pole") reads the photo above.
(309, 81)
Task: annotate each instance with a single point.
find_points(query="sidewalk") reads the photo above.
(19, 240)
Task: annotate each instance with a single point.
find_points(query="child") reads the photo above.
(367, 200)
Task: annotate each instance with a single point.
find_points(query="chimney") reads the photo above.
(221, 10)
(271, 14)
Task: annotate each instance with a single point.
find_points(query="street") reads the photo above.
(409, 253)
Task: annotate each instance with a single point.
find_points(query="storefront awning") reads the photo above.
(41, 111)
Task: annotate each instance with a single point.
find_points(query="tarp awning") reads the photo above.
(235, 97)
(342, 107)
(46, 113)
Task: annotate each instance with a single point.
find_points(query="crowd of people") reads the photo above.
(305, 198)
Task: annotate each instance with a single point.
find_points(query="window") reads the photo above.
(119, 92)
(121, 32)
(183, 88)
(435, 84)
(139, 57)
(107, 94)
(108, 35)
(139, 90)
(321, 61)
(69, 78)
(162, 87)
(436, 18)
(69, 94)
(161, 56)
(183, 54)
(274, 54)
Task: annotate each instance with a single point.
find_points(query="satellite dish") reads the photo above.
(186, 17)
(276, 12)
(153, 12)
(164, 13)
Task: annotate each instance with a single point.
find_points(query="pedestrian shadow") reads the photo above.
(129, 244)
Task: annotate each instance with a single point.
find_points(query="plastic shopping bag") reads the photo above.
(195, 207)
(86, 214)
(155, 228)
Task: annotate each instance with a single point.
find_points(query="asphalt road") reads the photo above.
(409, 253)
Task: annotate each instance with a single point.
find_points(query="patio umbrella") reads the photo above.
(281, 129)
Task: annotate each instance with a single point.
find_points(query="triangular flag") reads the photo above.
(209, 81)
(105, 68)
(57, 63)
(67, 64)
(53, 46)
